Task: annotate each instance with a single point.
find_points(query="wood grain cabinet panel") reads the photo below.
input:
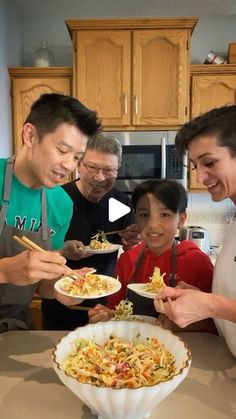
(160, 71)
(102, 81)
(27, 84)
(35, 308)
(134, 72)
(212, 86)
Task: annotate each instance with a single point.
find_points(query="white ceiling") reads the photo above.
(162, 7)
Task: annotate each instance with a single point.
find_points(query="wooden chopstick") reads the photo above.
(34, 245)
(28, 244)
(114, 232)
(79, 307)
(102, 233)
(20, 241)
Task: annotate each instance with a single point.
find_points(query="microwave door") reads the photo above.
(139, 162)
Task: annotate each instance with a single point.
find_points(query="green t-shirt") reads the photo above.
(24, 211)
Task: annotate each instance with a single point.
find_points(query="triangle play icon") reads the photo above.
(116, 209)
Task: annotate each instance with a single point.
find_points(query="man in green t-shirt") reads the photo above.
(54, 137)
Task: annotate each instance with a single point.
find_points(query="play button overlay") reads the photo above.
(116, 209)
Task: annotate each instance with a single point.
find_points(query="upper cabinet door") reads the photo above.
(212, 91)
(160, 77)
(27, 85)
(103, 74)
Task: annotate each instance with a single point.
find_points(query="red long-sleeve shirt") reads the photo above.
(192, 266)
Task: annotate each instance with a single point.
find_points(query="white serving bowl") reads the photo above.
(123, 403)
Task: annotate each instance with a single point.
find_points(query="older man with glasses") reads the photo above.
(90, 193)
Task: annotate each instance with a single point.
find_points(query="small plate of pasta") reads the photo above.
(99, 244)
(151, 288)
(140, 290)
(88, 286)
(100, 250)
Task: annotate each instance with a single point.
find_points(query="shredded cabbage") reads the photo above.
(119, 363)
(156, 283)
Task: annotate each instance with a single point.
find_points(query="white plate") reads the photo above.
(116, 285)
(113, 248)
(139, 289)
(148, 319)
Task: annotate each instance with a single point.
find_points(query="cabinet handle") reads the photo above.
(126, 104)
(135, 104)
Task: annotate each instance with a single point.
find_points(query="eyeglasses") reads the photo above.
(107, 172)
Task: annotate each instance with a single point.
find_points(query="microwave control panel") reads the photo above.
(174, 167)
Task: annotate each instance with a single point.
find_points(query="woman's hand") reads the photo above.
(183, 306)
(100, 313)
(185, 285)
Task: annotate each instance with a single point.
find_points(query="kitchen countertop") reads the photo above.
(30, 389)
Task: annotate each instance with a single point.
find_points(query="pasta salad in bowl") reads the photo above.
(121, 369)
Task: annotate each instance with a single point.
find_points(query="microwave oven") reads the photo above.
(147, 155)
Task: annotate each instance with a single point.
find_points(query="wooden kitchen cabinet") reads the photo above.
(134, 72)
(212, 86)
(27, 84)
(35, 308)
